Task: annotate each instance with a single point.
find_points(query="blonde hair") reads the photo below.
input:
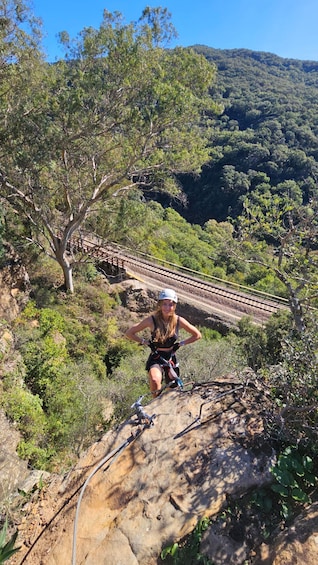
(164, 329)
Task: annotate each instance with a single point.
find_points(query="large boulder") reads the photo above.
(144, 486)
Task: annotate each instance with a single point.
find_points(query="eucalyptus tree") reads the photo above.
(120, 110)
(20, 37)
(290, 226)
(20, 63)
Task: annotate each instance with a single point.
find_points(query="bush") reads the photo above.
(37, 457)
(128, 381)
(292, 381)
(25, 409)
(294, 480)
(263, 346)
(206, 360)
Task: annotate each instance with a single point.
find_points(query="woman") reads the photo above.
(164, 326)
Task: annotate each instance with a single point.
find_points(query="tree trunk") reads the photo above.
(294, 303)
(296, 309)
(68, 276)
(63, 261)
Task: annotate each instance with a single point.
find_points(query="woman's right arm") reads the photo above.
(132, 332)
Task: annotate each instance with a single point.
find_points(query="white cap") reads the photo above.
(168, 294)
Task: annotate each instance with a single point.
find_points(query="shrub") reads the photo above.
(127, 383)
(7, 549)
(25, 409)
(38, 457)
(294, 479)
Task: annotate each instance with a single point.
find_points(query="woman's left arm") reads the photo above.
(195, 334)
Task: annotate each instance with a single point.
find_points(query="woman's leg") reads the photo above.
(155, 379)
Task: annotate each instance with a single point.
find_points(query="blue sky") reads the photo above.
(287, 28)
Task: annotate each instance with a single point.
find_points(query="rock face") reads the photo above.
(143, 487)
(296, 545)
(14, 292)
(13, 471)
(14, 286)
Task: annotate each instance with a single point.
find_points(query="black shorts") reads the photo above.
(154, 359)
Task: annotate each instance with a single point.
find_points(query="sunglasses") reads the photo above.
(169, 303)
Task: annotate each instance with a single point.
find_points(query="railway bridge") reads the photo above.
(222, 299)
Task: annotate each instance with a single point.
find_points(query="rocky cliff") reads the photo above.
(14, 291)
(146, 485)
(14, 285)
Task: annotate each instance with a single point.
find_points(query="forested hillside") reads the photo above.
(85, 147)
(266, 136)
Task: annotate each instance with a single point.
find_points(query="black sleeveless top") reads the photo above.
(169, 342)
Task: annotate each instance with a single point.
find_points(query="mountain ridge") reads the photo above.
(267, 134)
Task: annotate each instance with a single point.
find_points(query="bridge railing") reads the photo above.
(115, 249)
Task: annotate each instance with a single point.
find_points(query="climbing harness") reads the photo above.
(169, 370)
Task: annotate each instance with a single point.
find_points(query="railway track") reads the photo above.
(224, 301)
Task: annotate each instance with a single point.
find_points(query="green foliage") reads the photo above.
(294, 480)
(209, 335)
(127, 382)
(45, 360)
(62, 415)
(113, 135)
(58, 397)
(294, 390)
(50, 321)
(253, 343)
(263, 500)
(88, 271)
(207, 359)
(37, 457)
(25, 409)
(287, 363)
(266, 282)
(277, 329)
(7, 549)
(149, 229)
(187, 552)
(264, 346)
(262, 140)
(30, 312)
(278, 206)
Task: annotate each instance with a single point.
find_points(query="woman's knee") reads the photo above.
(155, 378)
